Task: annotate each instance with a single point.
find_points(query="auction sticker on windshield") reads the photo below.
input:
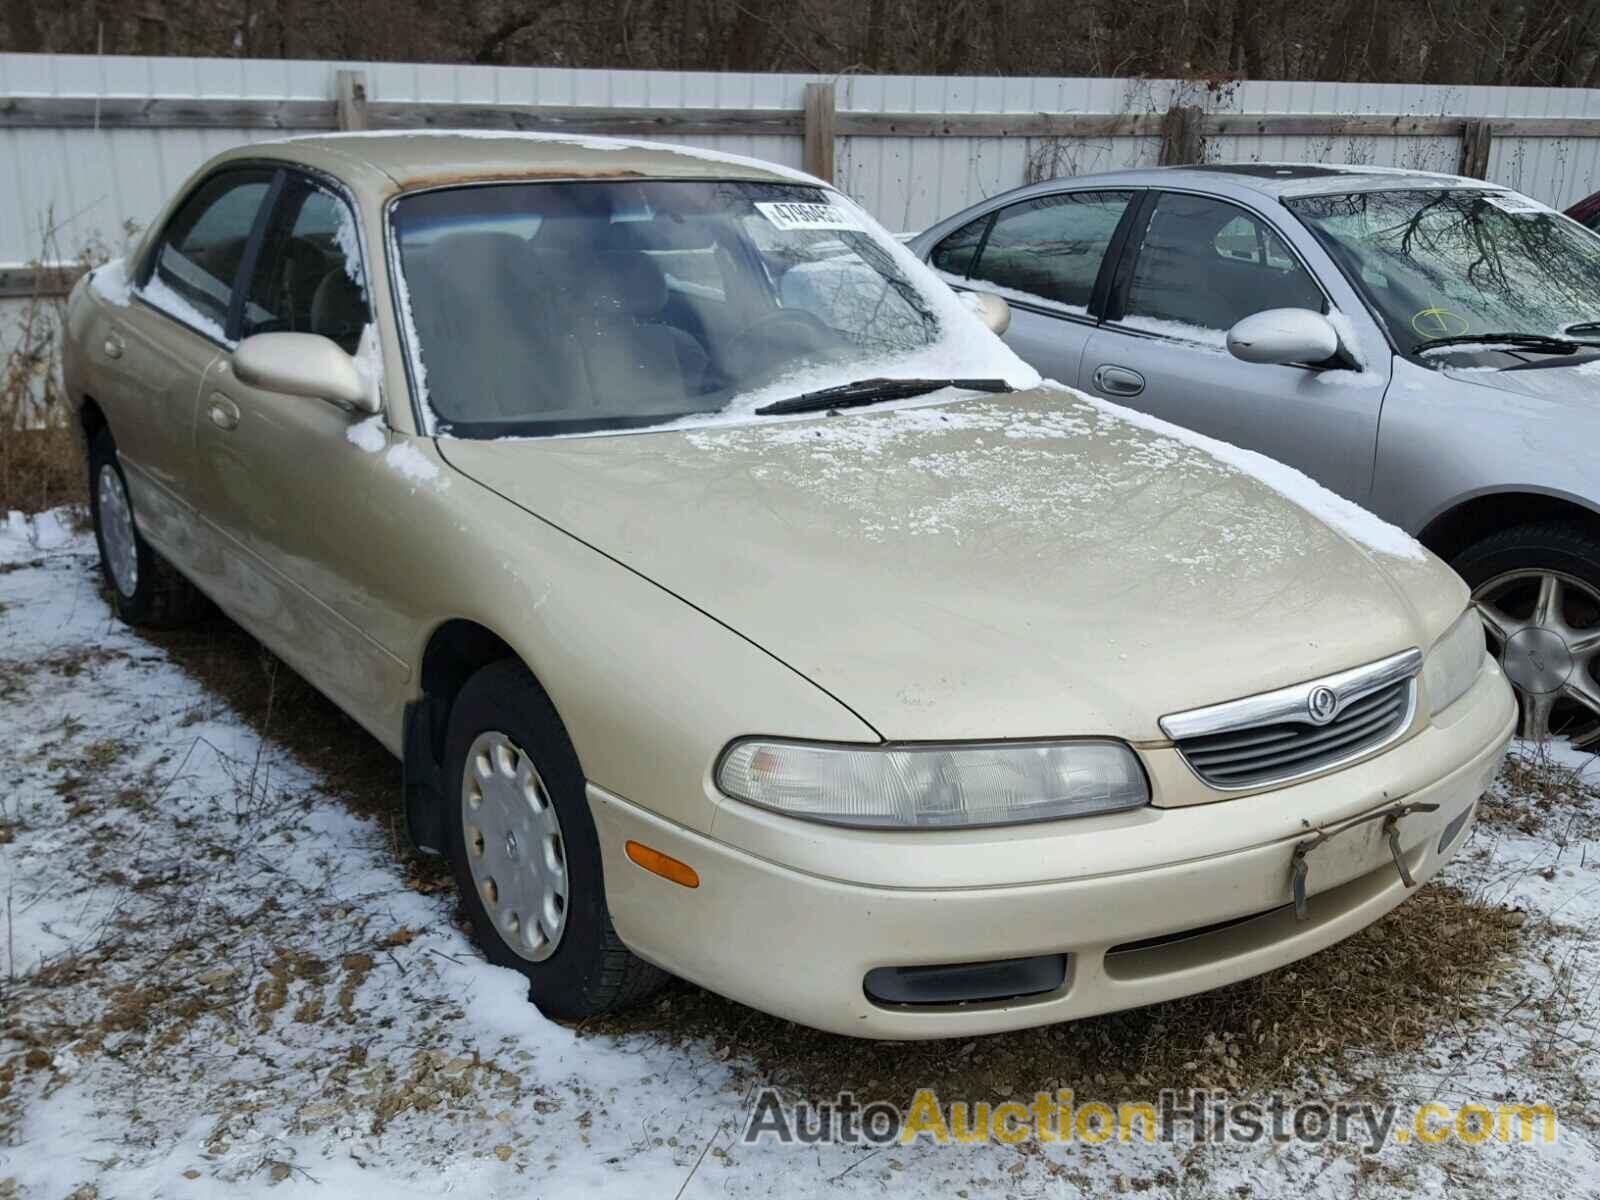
(790, 215)
(1511, 202)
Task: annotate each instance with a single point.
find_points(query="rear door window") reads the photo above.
(1051, 247)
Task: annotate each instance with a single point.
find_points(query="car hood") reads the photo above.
(1029, 565)
(1578, 384)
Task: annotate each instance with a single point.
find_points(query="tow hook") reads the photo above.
(1300, 869)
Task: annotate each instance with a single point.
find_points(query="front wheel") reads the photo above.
(145, 590)
(1538, 590)
(525, 853)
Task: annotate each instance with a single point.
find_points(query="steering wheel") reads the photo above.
(744, 352)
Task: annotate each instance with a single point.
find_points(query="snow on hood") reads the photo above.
(1017, 565)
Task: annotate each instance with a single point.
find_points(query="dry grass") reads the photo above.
(41, 460)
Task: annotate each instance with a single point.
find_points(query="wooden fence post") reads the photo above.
(350, 96)
(820, 114)
(1180, 136)
(1476, 139)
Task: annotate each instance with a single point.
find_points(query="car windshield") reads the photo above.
(557, 308)
(1441, 263)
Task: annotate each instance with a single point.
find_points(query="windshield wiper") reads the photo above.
(1539, 343)
(871, 391)
(1589, 327)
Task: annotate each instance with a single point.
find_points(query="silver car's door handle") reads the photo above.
(1118, 381)
(113, 346)
(224, 413)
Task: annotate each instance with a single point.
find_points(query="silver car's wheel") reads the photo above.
(514, 846)
(1545, 627)
(117, 534)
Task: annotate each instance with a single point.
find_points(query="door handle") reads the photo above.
(113, 346)
(224, 413)
(1118, 381)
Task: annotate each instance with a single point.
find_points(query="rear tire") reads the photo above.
(145, 589)
(1538, 589)
(524, 851)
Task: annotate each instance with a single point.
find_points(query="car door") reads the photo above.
(1044, 255)
(158, 347)
(1194, 266)
(311, 510)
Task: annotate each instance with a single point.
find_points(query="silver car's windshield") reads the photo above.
(573, 307)
(1442, 263)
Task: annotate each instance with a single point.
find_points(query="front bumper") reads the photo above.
(796, 937)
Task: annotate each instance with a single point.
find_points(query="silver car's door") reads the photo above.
(1044, 255)
(1194, 266)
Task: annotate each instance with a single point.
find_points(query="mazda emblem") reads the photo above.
(1321, 705)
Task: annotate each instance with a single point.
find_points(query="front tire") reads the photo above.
(524, 851)
(145, 590)
(1537, 587)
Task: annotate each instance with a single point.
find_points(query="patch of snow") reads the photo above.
(369, 364)
(1008, 293)
(1348, 342)
(369, 435)
(158, 294)
(580, 143)
(1212, 339)
(349, 241)
(1592, 367)
(1332, 509)
(412, 463)
(26, 534)
(110, 282)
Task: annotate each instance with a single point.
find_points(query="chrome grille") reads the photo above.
(1272, 738)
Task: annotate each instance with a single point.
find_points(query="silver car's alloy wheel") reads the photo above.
(116, 530)
(1545, 626)
(514, 846)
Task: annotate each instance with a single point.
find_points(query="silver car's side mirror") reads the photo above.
(302, 364)
(992, 310)
(1284, 335)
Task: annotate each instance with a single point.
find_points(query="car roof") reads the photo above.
(411, 159)
(1273, 178)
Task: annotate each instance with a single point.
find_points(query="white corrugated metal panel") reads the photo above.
(90, 182)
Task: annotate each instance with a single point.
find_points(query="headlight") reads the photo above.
(934, 786)
(1454, 661)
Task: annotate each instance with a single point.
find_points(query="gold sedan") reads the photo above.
(741, 607)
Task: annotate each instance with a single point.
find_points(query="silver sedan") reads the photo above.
(1426, 345)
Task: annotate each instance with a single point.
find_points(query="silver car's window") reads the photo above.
(1050, 248)
(202, 246)
(1446, 263)
(1204, 264)
(557, 308)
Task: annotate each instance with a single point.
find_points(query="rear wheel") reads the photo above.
(525, 853)
(1538, 590)
(145, 590)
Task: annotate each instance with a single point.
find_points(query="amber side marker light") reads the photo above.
(663, 865)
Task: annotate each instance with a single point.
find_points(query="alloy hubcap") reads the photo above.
(514, 846)
(1545, 627)
(116, 531)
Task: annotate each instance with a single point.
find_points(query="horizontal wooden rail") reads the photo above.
(227, 112)
(28, 282)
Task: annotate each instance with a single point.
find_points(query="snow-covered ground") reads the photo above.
(220, 979)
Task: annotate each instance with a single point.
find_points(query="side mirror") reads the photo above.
(1284, 335)
(992, 310)
(303, 364)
